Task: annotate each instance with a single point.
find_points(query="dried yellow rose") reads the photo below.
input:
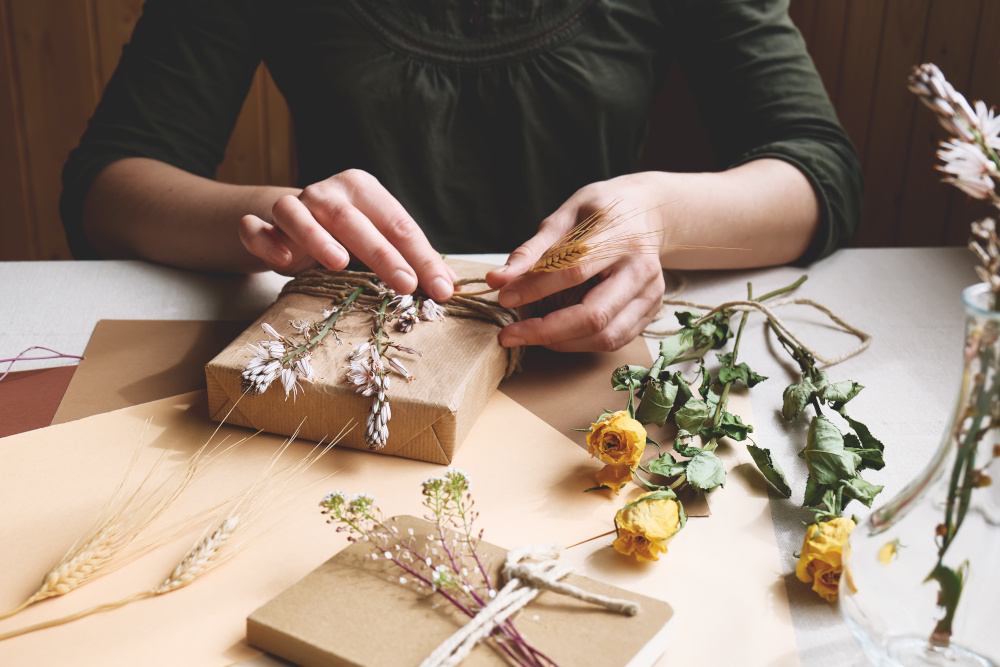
(647, 524)
(821, 560)
(614, 477)
(617, 439)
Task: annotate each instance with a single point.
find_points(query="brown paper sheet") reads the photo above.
(29, 399)
(327, 618)
(527, 481)
(129, 362)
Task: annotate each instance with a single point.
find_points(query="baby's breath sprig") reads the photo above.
(446, 563)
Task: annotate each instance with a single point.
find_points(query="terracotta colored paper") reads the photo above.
(129, 362)
(29, 399)
(527, 480)
(327, 618)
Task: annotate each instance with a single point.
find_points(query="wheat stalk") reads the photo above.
(124, 517)
(589, 242)
(217, 546)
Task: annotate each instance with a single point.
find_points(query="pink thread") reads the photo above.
(55, 355)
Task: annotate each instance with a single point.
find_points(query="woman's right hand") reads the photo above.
(350, 213)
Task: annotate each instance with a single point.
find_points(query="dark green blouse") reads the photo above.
(480, 116)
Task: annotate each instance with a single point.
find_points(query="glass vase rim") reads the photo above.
(972, 299)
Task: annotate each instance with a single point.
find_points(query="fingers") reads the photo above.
(403, 233)
(523, 258)
(270, 244)
(609, 316)
(353, 212)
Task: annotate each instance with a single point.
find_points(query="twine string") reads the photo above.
(337, 284)
(528, 570)
(776, 322)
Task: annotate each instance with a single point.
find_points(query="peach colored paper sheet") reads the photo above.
(528, 481)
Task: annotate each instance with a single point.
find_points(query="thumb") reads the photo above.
(524, 257)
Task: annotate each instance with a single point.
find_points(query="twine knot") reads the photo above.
(527, 570)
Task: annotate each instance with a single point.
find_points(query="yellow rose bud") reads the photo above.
(614, 477)
(647, 524)
(821, 560)
(617, 439)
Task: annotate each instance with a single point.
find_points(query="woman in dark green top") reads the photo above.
(478, 120)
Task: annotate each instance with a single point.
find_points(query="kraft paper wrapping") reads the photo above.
(461, 366)
(328, 618)
(527, 480)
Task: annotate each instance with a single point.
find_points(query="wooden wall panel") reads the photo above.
(54, 55)
(923, 213)
(856, 85)
(891, 120)
(17, 231)
(984, 84)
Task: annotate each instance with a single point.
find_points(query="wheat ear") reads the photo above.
(217, 546)
(124, 517)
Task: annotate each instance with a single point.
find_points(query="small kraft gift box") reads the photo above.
(452, 365)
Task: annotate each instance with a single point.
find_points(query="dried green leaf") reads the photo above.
(740, 372)
(730, 426)
(620, 379)
(770, 469)
(657, 402)
(691, 417)
(840, 392)
(666, 465)
(828, 461)
(860, 489)
(796, 398)
(705, 470)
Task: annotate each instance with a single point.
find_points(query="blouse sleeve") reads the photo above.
(174, 97)
(760, 96)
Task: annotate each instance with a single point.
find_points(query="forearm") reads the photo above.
(766, 209)
(142, 208)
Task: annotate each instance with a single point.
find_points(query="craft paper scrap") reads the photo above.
(529, 481)
(130, 362)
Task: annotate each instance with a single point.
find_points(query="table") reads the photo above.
(908, 299)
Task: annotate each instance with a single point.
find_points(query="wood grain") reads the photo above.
(17, 234)
(891, 120)
(923, 212)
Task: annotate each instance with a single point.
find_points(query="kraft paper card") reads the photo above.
(527, 480)
(29, 399)
(130, 362)
(330, 618)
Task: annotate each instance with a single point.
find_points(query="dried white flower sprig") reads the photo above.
(284, 358)
(215, 547)
(445, 563)
(370, 363)
(969, 158)
(291, 361)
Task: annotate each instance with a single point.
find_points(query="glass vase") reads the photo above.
(921, 583)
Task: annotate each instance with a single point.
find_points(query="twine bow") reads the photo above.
(527, 570)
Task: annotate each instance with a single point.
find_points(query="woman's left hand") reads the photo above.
(630, 290)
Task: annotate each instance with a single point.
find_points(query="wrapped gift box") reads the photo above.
(462, 363)
(353, 611)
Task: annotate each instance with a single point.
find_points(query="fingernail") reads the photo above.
(441, 289)
(503, 268)
(512, 341)
(404, 281)
(510, 299)
(333, 256)
(280, 256)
